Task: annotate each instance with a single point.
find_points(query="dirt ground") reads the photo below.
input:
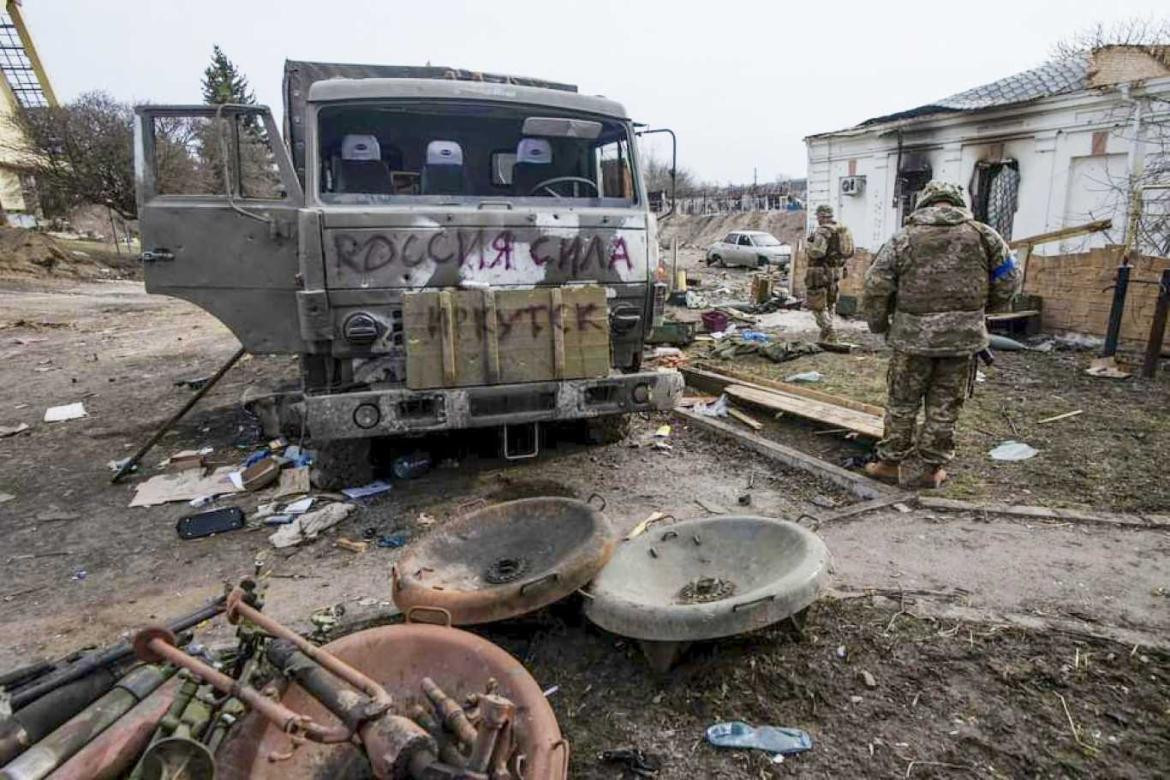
(968, 662)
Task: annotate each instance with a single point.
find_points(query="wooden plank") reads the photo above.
(558, 330)
(1045, 512)
(1062, 233)
(1002, 316)
(491, 337)
(754, 424)
(857, 484)
(862, 423)
(713, 379)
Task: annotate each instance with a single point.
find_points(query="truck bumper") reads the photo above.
(400, 411)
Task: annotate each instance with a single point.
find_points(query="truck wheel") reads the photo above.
(342, 463)
(609, 429)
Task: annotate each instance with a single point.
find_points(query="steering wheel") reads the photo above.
(544, 185)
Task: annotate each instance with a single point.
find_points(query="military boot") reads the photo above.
(885, 470)
(930, 478)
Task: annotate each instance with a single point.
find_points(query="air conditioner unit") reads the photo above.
(852, 185)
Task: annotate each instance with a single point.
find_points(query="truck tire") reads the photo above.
(341, 463)
(609, 429)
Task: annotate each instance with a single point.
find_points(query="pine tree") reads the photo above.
(223, 83)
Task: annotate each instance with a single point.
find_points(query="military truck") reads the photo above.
(443, 249)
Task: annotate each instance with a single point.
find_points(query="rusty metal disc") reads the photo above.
(398, 657)
(505, 560)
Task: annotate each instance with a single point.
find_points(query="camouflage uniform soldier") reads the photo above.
(927, 290)
(829, 246)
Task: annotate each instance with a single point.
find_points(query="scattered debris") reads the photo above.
(54, 515)
(772, 739)
(6, 497)
(1064, 416)
(394, 540)
(410, 466)
(868, 678)
(717, 409)
(67, 412)
(193, 384)
(641, 527)
(711, 506)
(1012, 451)
(745, 499)
(824, 502)
(373, 489)
(805, 376)
(186, 459)
(351, 545)
(184, 486)
(299, 507)
(1108, 368)
(12, 430)
(747, 420)
(306, 527)
(217, 521)
(293, 482)
(632, 760)
(1004, 344)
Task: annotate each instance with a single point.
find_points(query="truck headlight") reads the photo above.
(366, 416)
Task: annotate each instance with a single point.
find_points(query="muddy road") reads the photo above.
(972, 623)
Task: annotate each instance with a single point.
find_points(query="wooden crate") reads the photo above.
(459, 338)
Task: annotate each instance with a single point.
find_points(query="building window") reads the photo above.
(995, 188)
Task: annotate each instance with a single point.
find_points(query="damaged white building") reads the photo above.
(1045, 149)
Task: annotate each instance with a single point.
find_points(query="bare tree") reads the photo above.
(1135, 188)
(1132, 31)
(79, 152)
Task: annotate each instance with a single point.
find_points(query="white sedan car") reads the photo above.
(753, 248)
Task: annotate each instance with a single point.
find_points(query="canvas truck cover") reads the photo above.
(299, 76)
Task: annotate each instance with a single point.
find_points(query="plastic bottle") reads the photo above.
(413, 465)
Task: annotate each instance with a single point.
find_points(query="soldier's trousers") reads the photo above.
(822, 301)
(939, 383)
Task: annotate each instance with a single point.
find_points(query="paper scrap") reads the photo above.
(12, 430)
(66, 412)
(299, 507)
(306, 527)
(372, 489)
(183, 486)
(292, 482)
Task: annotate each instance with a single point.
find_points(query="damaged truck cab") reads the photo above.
(444, 250)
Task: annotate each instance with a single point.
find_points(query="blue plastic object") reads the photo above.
(773, 739)
(754, 335)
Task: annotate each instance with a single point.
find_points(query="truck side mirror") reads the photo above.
(673, 164)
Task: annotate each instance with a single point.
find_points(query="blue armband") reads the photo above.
(1003, 269)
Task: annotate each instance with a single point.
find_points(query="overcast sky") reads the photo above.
(741, 83)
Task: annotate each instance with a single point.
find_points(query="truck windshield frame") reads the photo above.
(419, 152)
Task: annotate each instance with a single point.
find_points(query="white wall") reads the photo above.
(1062, 183)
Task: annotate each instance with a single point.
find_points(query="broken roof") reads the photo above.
(1053, 78)
(1101, 67)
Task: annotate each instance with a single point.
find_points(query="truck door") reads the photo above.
(217, 209)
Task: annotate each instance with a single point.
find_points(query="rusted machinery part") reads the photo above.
(498, 714)
(398, 747)
(238, 607)
(156, 643)
(117, 748)
(178, 758)
(399, 656)
(505, 560)
(451, 714)
(77, 732)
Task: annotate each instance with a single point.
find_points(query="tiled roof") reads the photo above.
(1053, 78)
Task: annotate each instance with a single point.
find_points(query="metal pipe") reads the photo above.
(111, 655)
(114, 752)
(153, 440)
(54, 750)
(1157, 328)
(237, 608)
(1113, 331)
(31, 724)
(351, 708)
(155, 644)
(451, 714)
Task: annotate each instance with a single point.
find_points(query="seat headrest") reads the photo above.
(534, 151)
(444, 153)
(360, 147)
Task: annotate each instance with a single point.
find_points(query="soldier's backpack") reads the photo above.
(841, 244)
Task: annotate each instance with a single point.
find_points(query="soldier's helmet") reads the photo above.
(937, 191)
(824, 210)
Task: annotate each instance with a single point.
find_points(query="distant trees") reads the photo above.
(656, 174)
(1133, 31)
